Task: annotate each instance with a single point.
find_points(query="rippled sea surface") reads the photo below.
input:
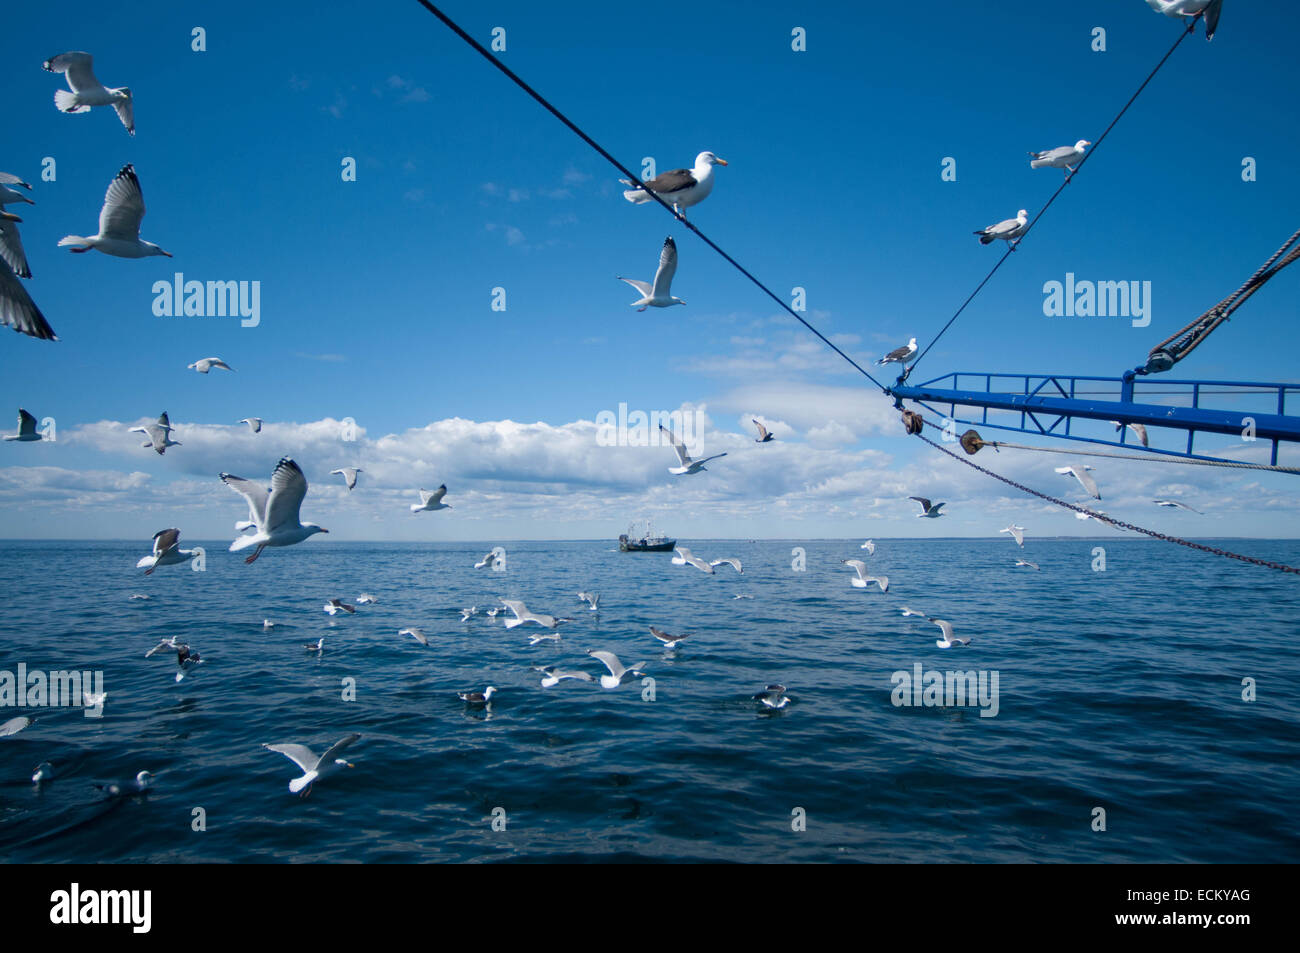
(1120, 689)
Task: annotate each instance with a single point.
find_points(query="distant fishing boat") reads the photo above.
(646, 542)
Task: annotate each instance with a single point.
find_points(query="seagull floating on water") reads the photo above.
(254, 423)
(616, 669)
(138, 785)
(899, 355)
(159, 434)
(948, 640)
(432, 501)
(764, 435)
(275, 514)
(1007, 230)
(477, 699)
(119, 222)
(1080, 473)
(928, 511)
(553, 676)
(42, 772)
(208, 363)
(318, 646)
(85, 91)
(863, 580)
(680, 188)
(314, 767)
(27, 432)
(773, 696)
(166, 551)
(669, 641)
(1017, 533)
(349, 475)
(1190, 8)
(1062, 157)
(335, 606)
(657, 295)
(689, 465)
(17, 309)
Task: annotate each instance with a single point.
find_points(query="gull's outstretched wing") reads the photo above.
(667, 268)
(288, 487)
(338, 748)
(254, 493)
(300, 755)
(641, 286)
(683, 457)
(123, 207)
(78, 67)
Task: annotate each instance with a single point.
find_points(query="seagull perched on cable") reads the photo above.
(349, 475)
(27, 432)
(657, 295)
(764, 435)
(335, 606)
(254, 423)
(85, 91)
(773, 696)
(1137, 429)
(522, 615)
(862, 580)
(208, 363)
(1007, 230)
(1190, 8)
(592, 599)
(166, 551)
(119, 222)
(553, 676)
(314, 767)
(276, 514)
(948, 640)
(899, 355)
(17, 309)
(432, 501)
(1017, 533)
(928, 511)
(669, 641)
(1181, 506)
(689, 465)
(617, 671)
(1062, 157)
(159, 434)
(680, 188)
(1080, 473)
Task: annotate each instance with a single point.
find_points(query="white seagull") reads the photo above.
(42, 772)
(616, 669)
(680, 188)
(1181, 506)
(27, 432)
(84, 91)
(254, 423)
(314, 768)
(1026, 563)
(689, 465)
(928, 511)
(1007, 230)
(773, 696)
(863, 580)
(166, 551)
(186, 660)
(1138, 429)
(1080, 473)
(17, 309)
(14, 725)
(275, 514)
(170, 644)
(488, 559)
(948, 640)
(10, 196)
(684, 557)
(870, 547)
(1190, 8)
(728, 561)
(669, 641)
(899, 355)
(138, 785)
(553, 676)
(522, 615)
(159, 434)
(367, 599)
(1017, 533)
(657, 295)
(417, 634)
(906, 611)
(592, 599)
(432, 501)
(119, 222)
(208, 363)
(349, 475)
(1062, 157)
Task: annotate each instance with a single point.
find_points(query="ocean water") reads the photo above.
(1118, 689)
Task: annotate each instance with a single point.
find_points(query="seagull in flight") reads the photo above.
(728, 561)
(276, 515)
(680, 188)
(14, 725)
(616, 669)
(553, 676)
(85, 91)
(166, 551)
(928, 511)
(119, 222)
(1080, 473)
(1007, 230)
(417, 634)
(1181, 506)
(170, 644)
(1026, 563)
(948, 640)
(689, 465)
(1063, 157)
(764, 435)
(208, 363)
(159, 434)
(870, 547)
(669, 641)
(773, 696)
(684, 557)
(17, 309)
(592, 599)
(349, 475)
(657, 295)
(1017, 533)
(432, 501)
(27, 432)
(862, 580)
(522, 615)
(186, 660)
(254, 423)
(1190, 8)
(488, 559)
(314, 767)
(1138, 429)
(335, 606)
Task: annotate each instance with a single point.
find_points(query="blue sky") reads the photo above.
(376, 294)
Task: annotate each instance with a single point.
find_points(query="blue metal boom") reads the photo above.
(1047, 404)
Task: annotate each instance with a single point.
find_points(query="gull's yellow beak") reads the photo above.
(720, 161)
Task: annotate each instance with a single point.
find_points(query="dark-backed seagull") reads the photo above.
(657, 295)
(477, 699)
(899, 355)
(689, 465)
(276, 514)
(186, 660)
(928, 511)
(432, 501)
(669, 641)
(318, 646)
(159, 434)
(84, 91)
(680, 188)
(1080, 473)
(764, 435)
(27, 432)
(119, 222)
(1007, 230)
(166, 551)
(773, 696)
(1062, 157)
(314, 768)
(616, 669)
(42, 772)
(335, 606)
